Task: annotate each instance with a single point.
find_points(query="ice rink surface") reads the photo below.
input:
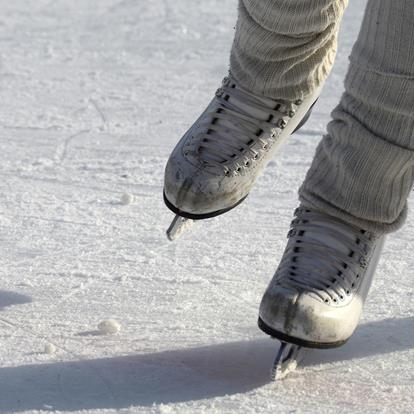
(94, 96)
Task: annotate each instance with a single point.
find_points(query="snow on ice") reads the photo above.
(109, 327)
(127, 199)
(50, 349)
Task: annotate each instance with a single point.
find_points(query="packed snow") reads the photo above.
(109, 327)
(95, 95)
(127, 199)
(50, 349)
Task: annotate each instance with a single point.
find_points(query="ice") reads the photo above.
(95, 94)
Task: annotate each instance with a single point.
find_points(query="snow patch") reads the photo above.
(109, 327)
(165, 409)
(127, 199)
(49, 349)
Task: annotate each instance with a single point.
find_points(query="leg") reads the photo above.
(284, 48)
(363, 169)
(282, 52)
(356, 190)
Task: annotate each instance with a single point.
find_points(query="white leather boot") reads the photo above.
(215, 164)
(316, 296)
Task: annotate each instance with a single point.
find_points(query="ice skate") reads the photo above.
(316, 296)
(214, 166)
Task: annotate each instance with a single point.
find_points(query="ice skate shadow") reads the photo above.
(173, 376)
(137, 380)
(8, 298)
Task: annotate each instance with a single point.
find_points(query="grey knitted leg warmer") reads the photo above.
(363, 168)
(285, 48)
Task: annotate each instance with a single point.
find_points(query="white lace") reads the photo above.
(241, 120)
(324, 256)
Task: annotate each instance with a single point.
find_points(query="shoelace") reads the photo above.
(232, 129)
(325, 256)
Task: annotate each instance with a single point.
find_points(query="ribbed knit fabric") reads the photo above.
(363, 168)
(285, 48)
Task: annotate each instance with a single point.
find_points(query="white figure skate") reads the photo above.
(215, 164)
(316, 296)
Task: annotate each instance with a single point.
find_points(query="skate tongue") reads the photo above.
(329, 240)
(255, 112)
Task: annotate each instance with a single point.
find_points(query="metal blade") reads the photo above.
(178, 226)
(287, 359)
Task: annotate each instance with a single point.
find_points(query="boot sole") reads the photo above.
(297, 341)
(199, 216)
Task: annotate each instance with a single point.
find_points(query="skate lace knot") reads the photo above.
(325, 256)
(240, 130)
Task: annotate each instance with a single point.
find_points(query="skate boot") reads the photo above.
(316, 296)
(215, 164)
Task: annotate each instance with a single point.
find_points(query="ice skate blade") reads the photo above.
(287, 359)
(178, 226)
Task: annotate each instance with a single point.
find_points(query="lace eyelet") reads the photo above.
(219, 92)
(247, 163)
(265, 146)
(282, 124)
(291, 233)
(226, 81)
(292, 113)
(298, 102)
(326, 300)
